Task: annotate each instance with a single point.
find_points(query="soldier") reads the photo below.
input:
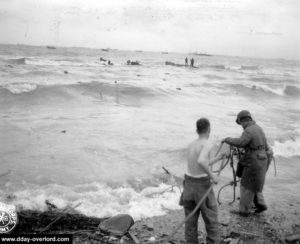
(255, 163)
(192, 62)
(197, 181)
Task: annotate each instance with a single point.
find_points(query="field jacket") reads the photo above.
(255, 160)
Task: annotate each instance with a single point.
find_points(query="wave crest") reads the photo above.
(18, 88)
(101, 200)
(289, 148)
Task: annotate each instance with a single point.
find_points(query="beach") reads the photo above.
(77, 130)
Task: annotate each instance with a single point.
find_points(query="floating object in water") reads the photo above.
(133, 62)
(51, 47)
(66, 72)
(63, 131)
(105, 49)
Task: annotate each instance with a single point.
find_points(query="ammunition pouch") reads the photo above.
(239, 170)
(242, 164)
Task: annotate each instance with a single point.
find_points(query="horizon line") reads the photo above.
(139, 50)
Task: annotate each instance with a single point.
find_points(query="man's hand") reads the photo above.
(225, 140)
(215, 179)
(223, 155)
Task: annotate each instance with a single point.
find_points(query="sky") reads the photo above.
(253, 28)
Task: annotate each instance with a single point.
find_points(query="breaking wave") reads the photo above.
(35, 94)
(249, 67)
(16, 61)
(99, 199)
(280, 90)
(18, 88)
(289, 148)
(40, 61)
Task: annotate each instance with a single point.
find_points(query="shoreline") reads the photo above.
(264, 228)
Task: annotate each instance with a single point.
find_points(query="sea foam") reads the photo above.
(100, 200)
(287, 148)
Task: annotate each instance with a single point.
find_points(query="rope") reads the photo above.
(233, 183)
(275, 166)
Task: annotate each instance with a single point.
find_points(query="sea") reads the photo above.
(74, 129)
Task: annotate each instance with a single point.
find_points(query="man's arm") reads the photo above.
(204, 161)
(239, 142)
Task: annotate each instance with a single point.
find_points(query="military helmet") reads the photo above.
(242, 114)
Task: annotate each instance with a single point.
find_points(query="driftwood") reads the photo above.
(66, 210)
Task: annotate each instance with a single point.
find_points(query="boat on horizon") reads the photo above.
(51, 47)
(201, 54)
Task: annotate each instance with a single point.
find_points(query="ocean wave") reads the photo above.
(214, 77)
(42, 94)
(101, 200)
(18, 88)
(249, 67)
(282, 90)
(288, 148)
(41, 61)
(279, 90)
(274, 80)
(58, 62)
(16, 61)
(213, 66)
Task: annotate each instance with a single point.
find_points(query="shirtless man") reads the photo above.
(197, 181)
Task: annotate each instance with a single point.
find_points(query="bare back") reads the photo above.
(198, 151)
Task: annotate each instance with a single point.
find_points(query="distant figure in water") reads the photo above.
(186, 62)
(192, 62)
(102, 59)
(109, 62)
(117, 92)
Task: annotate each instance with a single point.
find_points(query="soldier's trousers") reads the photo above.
(247, 197)
(194, 189)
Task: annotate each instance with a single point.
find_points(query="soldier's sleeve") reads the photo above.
(240, 142)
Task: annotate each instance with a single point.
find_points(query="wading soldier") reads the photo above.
(254, 163)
